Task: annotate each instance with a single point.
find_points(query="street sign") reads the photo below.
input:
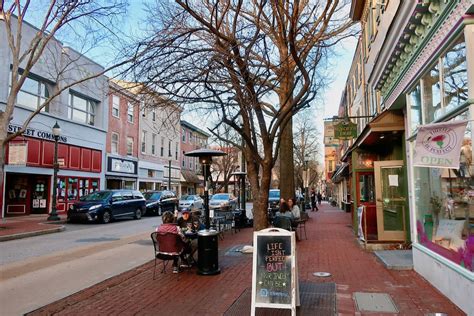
(345, 130)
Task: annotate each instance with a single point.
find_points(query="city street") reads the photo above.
(39, 270)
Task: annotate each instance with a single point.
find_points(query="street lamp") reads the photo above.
(208, 263)
(306, 183)
(53, 216)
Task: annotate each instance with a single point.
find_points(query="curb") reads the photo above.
(33, 233)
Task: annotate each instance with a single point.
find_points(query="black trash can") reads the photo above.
(208, 260)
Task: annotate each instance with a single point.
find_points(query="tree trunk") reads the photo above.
(260, 199)
(287, 169)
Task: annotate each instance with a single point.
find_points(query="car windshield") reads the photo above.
(220, 197)
(152, 195)
(187, 198)
(274, 194)
(97, 196)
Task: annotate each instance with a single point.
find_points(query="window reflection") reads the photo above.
(455, 75)
(415, 108)
(432, 93)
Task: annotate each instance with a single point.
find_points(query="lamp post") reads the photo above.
(208, 263)
(241, 197)
(169, 175)
(306, 182)
(53, 216)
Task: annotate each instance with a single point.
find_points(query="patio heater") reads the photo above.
(53, 216)
(208, 262)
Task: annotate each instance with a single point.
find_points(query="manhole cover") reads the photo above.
(322, 274)
(374, 302)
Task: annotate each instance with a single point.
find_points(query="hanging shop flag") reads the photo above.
(439, 145)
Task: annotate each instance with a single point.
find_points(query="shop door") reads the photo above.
(390, 191)
(40, 195)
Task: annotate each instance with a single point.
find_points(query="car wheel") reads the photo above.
(106, 217)
(138, 213)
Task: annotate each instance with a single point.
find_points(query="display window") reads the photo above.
(444, 205)
(444, 198)
(71, 189)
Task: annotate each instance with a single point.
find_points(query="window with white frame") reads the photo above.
(114, 143)
(182, 160)
(143, 147)
(130, 112)
(81, 109)
(115, 106)
(33, 93)
(169, 148)
(176, 152)
(153, 144)
(153, 114)
(162, 148)
(183, 134)
(442, 88)
(130, 146)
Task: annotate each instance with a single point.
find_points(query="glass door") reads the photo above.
(390, 190)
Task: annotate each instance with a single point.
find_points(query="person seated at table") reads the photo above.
(295, 209)
(285, 211)
(169, 226)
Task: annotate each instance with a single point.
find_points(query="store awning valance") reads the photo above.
(340, 172)
(382, 129)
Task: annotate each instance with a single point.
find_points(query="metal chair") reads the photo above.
(302, 224)
(168, 247)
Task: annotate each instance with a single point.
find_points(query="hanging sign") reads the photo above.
(274, 277)
(345, 130)
(439, 145)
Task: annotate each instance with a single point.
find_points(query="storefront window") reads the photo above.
(455, 75)
(72, 189)
(444, 207)
(432, 94)
(415, 108)
(366, 188)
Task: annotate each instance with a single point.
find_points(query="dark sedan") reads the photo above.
(157, 202)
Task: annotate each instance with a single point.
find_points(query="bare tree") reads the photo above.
(306, 148)
(254, 63)
(29, 49)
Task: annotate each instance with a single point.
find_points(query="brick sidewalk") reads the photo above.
(330, 247)
(27, 226)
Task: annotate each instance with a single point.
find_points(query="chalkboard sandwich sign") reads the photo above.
(274, 277)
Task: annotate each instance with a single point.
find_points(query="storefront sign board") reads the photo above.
(345, 130)
(274, 274)
(439, 145)
(31, 132)
(17, 153)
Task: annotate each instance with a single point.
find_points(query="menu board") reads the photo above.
(274, 282)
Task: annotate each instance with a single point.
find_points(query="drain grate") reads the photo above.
(375, 302)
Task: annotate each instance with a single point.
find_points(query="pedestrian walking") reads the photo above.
(319, 197)
(314, 207)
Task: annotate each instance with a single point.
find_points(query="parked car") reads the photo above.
(223, 202)
(107, 205)
(274, 200)
(190, 202)
(158, 202)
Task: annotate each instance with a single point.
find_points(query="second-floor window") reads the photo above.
(130, 112)
(183, 161)
(130, 146)
(143, 142)
(33, 93)
(81, 109)
(169, 148)
(153, 144)
(162, 148)
(153, 114)
(183, 132)
(115, 106)
(115, 143)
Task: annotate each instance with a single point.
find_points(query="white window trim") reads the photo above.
(130, 106)
(143, 142)
(112, 142)
(130, 138)
(118, 106)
